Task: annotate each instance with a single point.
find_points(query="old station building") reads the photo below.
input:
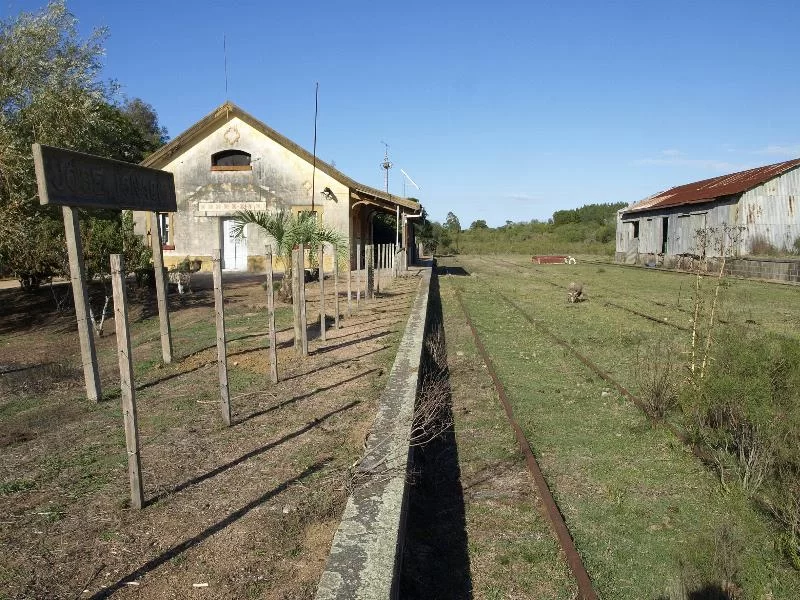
(230, 161)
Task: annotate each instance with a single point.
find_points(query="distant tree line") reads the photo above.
(590, 229)
(51, 93)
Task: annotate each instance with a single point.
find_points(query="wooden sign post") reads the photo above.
(127, 389)
(273, 345)
(73, 179)
(222, 356)
(91, 370)
(161, 290)
(322, 323)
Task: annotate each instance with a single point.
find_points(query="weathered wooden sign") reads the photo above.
(69, 178)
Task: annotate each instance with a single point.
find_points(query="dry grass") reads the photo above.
(250, 510)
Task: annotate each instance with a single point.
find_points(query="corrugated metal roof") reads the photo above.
(716, 187)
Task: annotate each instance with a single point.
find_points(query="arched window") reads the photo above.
(230, 160)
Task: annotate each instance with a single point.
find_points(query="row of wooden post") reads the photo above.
(125, 359)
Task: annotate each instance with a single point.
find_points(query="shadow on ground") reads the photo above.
(435, 558)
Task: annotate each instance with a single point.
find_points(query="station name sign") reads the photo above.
(68, 178)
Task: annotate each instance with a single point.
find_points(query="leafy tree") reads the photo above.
(424, 232)
(143, 116)
(453, 226)
(288, 230)
(50, 92)
(479, 224)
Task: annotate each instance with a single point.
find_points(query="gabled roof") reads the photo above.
(228, 110)
(716, 187)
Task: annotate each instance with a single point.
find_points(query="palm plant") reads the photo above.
(289, 230)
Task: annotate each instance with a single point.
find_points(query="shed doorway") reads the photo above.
(234, 250)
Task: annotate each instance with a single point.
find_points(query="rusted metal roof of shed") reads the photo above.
(716, 187)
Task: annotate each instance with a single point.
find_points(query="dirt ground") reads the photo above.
(247, 511)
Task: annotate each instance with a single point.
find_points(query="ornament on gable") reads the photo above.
(231, 135)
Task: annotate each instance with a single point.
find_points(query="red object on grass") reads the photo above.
(548, 260)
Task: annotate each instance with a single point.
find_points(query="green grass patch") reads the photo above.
(646, 515)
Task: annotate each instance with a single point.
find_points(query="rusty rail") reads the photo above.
(698, 451)
(607, 303)
(551, 509)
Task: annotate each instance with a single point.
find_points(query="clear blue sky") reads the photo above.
(498, 110)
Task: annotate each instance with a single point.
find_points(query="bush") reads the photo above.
(747, 407)
(659, 378)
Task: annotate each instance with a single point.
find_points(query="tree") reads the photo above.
(453, 226)
(143, 116)
(288, 230)
(479, 224)
(50, 92)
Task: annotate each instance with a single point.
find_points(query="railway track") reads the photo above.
(698, 451)
(660, 320)
(551, 510)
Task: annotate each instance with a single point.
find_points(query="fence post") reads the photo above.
(322, 323)
(303, 314)
(336, 289)
(222, 357)
(127, 389)
(370, 268)
(358, 274)
(273, 349)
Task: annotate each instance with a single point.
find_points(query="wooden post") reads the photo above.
(378, 267)
(322, 323)
(358, 274)
(336, 289)
(301, 320)
(127, 389)
(273, 346)
(303, 312)
(349, 287)
(161, 290)
(370, 260)
(296, 274)
(222, 357)
(91, 371)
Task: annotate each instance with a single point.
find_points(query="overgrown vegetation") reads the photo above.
(739, 392)
(590, 229)
(677, 530)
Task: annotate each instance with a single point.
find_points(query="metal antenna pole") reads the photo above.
(386, 165)
(314, 167)
(225, 53)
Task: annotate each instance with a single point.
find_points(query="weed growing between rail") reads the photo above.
(644, 512)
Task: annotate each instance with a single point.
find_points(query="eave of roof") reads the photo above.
(224, 113)
(712, 189)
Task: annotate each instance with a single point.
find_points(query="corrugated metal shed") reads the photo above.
(716, 187)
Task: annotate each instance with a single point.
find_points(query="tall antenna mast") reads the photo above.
(386, 165)
(314, 168)
(225, 53)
